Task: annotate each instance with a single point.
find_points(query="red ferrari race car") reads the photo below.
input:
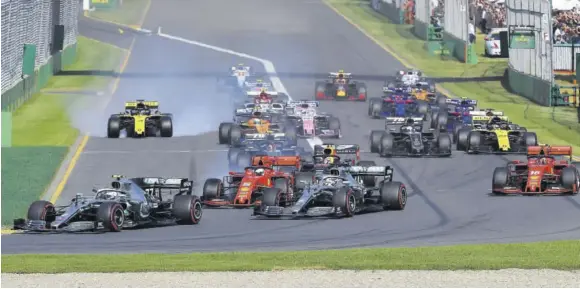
(340, 86)
(546, 172)
(245, 189)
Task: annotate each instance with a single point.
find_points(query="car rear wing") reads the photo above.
(311, 103)
(278, 161)
(377, 171)
(332, 149)
(550, 150)
(390, 120)
(133, 104)
(485, 112)
(255, 84)
(257, 93)
(265, 136)
(457, 101)
(335, 74)
(487, 118)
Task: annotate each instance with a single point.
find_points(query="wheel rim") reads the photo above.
(351, 206)
(118, 217)
(403, 197)
(197, 210)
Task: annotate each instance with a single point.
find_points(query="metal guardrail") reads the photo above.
(564, 56)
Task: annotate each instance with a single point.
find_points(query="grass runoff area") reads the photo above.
(130, 13)
(561, 255)
(556, 126)
(42, 132)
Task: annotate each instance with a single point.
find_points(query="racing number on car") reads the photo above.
(534, 173)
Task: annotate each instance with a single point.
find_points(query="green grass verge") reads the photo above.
(26, 172)
(561, 255)
(130, 13)
(552, 125)
(42, 132)
(43, 120)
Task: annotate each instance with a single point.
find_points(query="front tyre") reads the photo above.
(113, 127)
(112, 216)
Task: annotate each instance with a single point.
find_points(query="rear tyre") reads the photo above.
(235, 135)
(114, 127)
(393, 196)
(344, 200)
(212, 189)
(187, 209)
(441, 121)
(224, 132)
(463, 139)
(375, 140)
(112, 216)
(333, 123)
(233, 157)
(244, 160)
(386, 148)
(166, 126)
(444, 144)
(375, 107)
(530, 139)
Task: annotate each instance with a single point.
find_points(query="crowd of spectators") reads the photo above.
(566, 25)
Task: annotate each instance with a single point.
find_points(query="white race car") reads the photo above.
(241, 72)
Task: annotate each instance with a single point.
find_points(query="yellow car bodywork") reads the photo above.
(140, 120)
(503, 141)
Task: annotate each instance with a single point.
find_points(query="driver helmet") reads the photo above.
(110, 195)
(260, 172)
(263, 94)
(241, 66)
(328, 160)
(495, 119)
(410, 121)
(271, 147)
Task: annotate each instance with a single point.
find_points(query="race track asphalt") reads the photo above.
(449, 201)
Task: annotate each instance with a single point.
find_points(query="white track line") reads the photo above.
(268, 67)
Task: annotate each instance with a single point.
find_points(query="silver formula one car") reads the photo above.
(341, 192)
(127, 203)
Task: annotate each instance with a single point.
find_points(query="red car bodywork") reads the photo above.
(248, 185)
(540, 174)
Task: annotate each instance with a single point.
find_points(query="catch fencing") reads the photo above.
(26, 22)
(530, 70)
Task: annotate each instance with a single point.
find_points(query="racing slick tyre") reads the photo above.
(224, 132)
(271, 197)
(233, 156)
(114, 127)
(444, 144)
(166, 126)
(530, 139)
(422, 107)
(235, 136)
(375, 140)
(302, 180)
(441, 120)
(112, 216)
(333, 123)
(41, 211)
(499, 180)
(434, 118)
(362, 90)
(570, 179)
(473, 141)
(187, 209)
(212, 189)
(393, 196)
(577, 165)
(387, 144)
(282, 185)
(463, 138)
(244, 160)
(344, 200)
(375, 107)
(368, 181)
(456, 130)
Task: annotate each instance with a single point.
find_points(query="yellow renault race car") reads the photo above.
(494, 133)
(141, 119)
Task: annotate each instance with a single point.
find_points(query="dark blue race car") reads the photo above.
(397, 105)
(458, 115)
